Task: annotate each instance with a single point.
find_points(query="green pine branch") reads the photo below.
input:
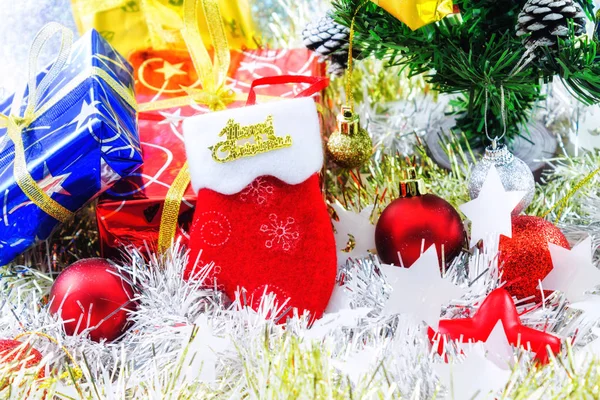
(479, 55)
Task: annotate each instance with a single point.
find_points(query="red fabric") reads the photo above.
(280, 301)
(270, 233)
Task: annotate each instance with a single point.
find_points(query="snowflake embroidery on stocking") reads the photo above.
(281, 233)
(258, 191)
(215, 228)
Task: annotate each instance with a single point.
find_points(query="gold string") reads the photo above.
(349, 94)
(198, 98)
(94, 72)
(15, 124)
(23, 178)
(218, 38)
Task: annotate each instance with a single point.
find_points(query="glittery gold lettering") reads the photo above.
(247, 141)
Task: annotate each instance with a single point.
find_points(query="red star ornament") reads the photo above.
(498, 306)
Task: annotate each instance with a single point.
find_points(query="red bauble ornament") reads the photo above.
(91, 291)
(525, 258)
(27, 356)
(413, 217)
(498, 306)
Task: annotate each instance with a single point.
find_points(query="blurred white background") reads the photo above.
(19, 22)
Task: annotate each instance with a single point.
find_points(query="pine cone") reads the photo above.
(329, 39)
(338, 63)
(547, 20)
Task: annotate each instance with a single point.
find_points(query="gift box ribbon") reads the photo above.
(212, 74)
(15, 123)
(214, 93)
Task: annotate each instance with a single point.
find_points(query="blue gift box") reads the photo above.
(81, 142)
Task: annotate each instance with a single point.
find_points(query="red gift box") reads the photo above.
(130, 213)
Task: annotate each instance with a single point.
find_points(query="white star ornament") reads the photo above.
(420, 290)
(573, 272)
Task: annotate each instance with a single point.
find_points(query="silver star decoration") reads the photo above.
(173, 119)
(85, 116)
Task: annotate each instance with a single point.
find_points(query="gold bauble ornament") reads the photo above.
(350, 146)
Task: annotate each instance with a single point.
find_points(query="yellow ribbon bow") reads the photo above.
(214, 94)
(212, 74)
(417, 13)
(15, 123)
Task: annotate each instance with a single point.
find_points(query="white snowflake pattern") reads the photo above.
(281, 233)
(258, 191)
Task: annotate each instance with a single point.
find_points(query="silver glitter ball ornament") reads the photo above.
(515, 175)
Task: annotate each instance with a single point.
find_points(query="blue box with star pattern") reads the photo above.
(82, 140)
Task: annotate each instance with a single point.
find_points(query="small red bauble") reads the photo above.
(92, 291)
(525, 258)
(11, 350)
(409, 220)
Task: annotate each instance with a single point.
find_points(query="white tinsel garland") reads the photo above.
(243, 353)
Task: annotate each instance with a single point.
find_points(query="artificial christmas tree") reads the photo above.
(480, 54)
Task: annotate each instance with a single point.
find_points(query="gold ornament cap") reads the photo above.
(350, 146)
(411, 185)
(348, 122)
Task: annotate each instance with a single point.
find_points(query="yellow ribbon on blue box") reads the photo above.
(65, 139)
(131, 25)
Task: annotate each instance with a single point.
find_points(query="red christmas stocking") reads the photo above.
(260, 215)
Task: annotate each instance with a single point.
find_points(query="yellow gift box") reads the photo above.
(131, 25)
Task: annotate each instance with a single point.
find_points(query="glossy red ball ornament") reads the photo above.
(525, 258)
(415, 217)
(23, 355)
(93, 292)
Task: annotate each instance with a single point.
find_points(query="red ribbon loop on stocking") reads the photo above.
(317, 83)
